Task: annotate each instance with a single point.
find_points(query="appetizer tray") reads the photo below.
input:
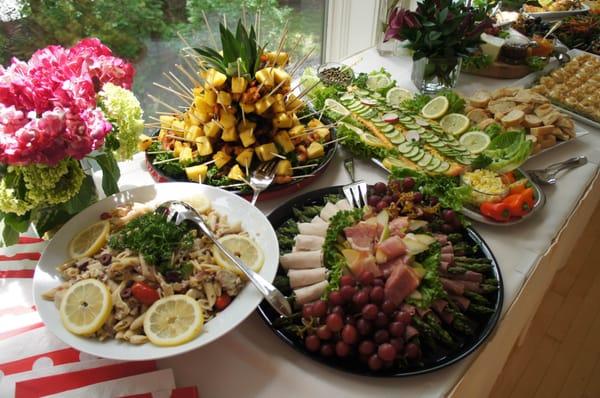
(531, 79)
(430, 361)
(555, 15)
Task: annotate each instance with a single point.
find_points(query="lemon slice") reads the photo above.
(455, 123)
(436, 108)
(397, 95)
(377, 81)
(85, 307)
(199, 202)
(475, 141)
(336, 107)
(173, 320)
(89, 241)
(242, 247)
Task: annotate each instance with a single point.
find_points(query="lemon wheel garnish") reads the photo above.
(436, 108)
(173, 320)
(242, 247)
(475, 141)
(455, 123)
(85, 307)
(89, 241)
(396, 95)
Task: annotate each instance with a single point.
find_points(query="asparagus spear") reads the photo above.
(300, 216)
(473, 266)
(491, 281)
(473, 260)
(476, 297)
(439, 331)
(456, 270)
(455, 238)
(460, 321)
(488, 288)
(480, 309)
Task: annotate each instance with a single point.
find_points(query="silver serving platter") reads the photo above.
(556, 15)
(476, 216)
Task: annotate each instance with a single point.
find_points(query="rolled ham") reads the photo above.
(453, 287)
(302, 260)
(310, 293)
(316, 229)
(343, 205)
(308, 242)
(462, 302)
(328, 211)
(305, 277)
(398, 226)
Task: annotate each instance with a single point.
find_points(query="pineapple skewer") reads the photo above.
(191, 78)
(153, 98)
(181, 83)
(179, 94)
(174, 83)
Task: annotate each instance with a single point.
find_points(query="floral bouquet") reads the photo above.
(61, 112)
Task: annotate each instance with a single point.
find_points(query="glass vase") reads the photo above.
(431, 75)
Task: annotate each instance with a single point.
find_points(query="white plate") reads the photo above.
(253, 221)
(555, 15)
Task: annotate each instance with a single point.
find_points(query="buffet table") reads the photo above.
(252, 361)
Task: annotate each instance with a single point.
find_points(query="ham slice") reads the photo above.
(359, 261)
(461, 301)
(447, 317)
(361, 236)
(343, 205)
(470, 285)
(306, 277)
(302, 260)
(470, 276)
(388, 267)
(400, 284)
(310, 293)
(398, 226)
(308, 242)
(390, 249)
(443, 239)
(316, 229)
(444, 266)
(454, 287)
(328, 211)
(439, 305)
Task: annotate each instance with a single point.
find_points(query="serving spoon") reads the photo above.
(548, 175)
(178, 212)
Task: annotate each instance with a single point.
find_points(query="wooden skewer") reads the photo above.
(185, 42)
(163, 103)
(302, 61)
(281, 42)
(310, 130)
(244, 20)
(212, 37)
(278, 156)
(308, 114)
(305, 167)
(191, 78)
(181, 83)
(333, 141)
(276, 88)
(165, 161)
(165, 113)
(178, 138)
(181, 96)
(157, 152)
(174, 82)
(225, 20)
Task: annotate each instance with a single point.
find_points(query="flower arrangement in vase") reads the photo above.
(60, 112)
(440, 33)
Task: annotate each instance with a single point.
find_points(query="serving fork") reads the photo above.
(356, 191)
(261, 178)
(548, 175)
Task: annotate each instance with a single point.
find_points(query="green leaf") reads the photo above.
(110, 172)
(86, 196)
(18, 223)
(10, 236)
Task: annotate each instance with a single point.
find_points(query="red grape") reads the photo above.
(373, 200)
(377, 294)
(380, 188)
(360, 298)
(338, 309)
(364, 327)
(448, 215)
(387, 198)
(398, 344)
(388, 307)
(412, 351)
(349, 334)
(319, 308)
(347, 292)
(350, 320)
(417, 197)
(381, 205)
(381, 336)
(307, 311)
(366, 347)
(347, 280)
(324, 332)
(397, 329)
(378, 282)
(403, 317)
(335, 298)
(433, 200)
(366, 277)
(375, 363)
(386, 351)
(327, 350)
(408, 183)
(369, 312)
(312, 343)
(395, 197)
(381, 320)
(335, 323)
(342, 349)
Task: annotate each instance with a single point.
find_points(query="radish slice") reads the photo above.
(390, 117)
(413, 135)
(368, 101)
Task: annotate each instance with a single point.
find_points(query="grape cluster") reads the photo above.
(358, 321)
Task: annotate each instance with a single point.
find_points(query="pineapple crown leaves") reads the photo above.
(241, 52)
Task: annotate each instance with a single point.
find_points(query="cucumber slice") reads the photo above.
(425, 160)
(434, 164)
(413, 152)
(418, 156)
(443, 167)
(399, 139)
(393, 134)
(405, 147)
(438, 144)
(354, 106)
(362, 93)
(406, 119)
(433, 138)
(388, 129)
(376, 95)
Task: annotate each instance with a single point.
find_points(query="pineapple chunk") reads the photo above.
(224, 98)
(322, 133)
(281, 75)
(296, 130)
(284, 168)
(162, 134)
(210, 97)
(196, 173)
(247, 137)
(248, 108)
(293, 103)
(166, 121)
(211, 129)
(229, 134)
(177, 147)
(283, 140)
(282, 121)
(197, 91)
(186, 155)
(201, 104)
(275, 58)
(227, 119)
(221, 159)
(238, 85)
(314, 122)
(245, 157)
(295, 120)
(236, 173)
(194, 132)
(204, 146)
(192, 119)
(263, 104)
(203, 117)
(266, 152)
(315, 150)
(214, 78)
(144, 142)
(178, 126)
(279, 105)
(246, 125)
(266, 77)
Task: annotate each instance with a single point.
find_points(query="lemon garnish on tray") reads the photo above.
(242, 247)
(85, 307)
(89, 241)
(173, 320)
(455, 123)
(436, 108)
(475, 141)
(397, 95)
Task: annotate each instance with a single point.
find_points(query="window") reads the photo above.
(145, 31)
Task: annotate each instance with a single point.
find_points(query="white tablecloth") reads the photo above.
(251, 361)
